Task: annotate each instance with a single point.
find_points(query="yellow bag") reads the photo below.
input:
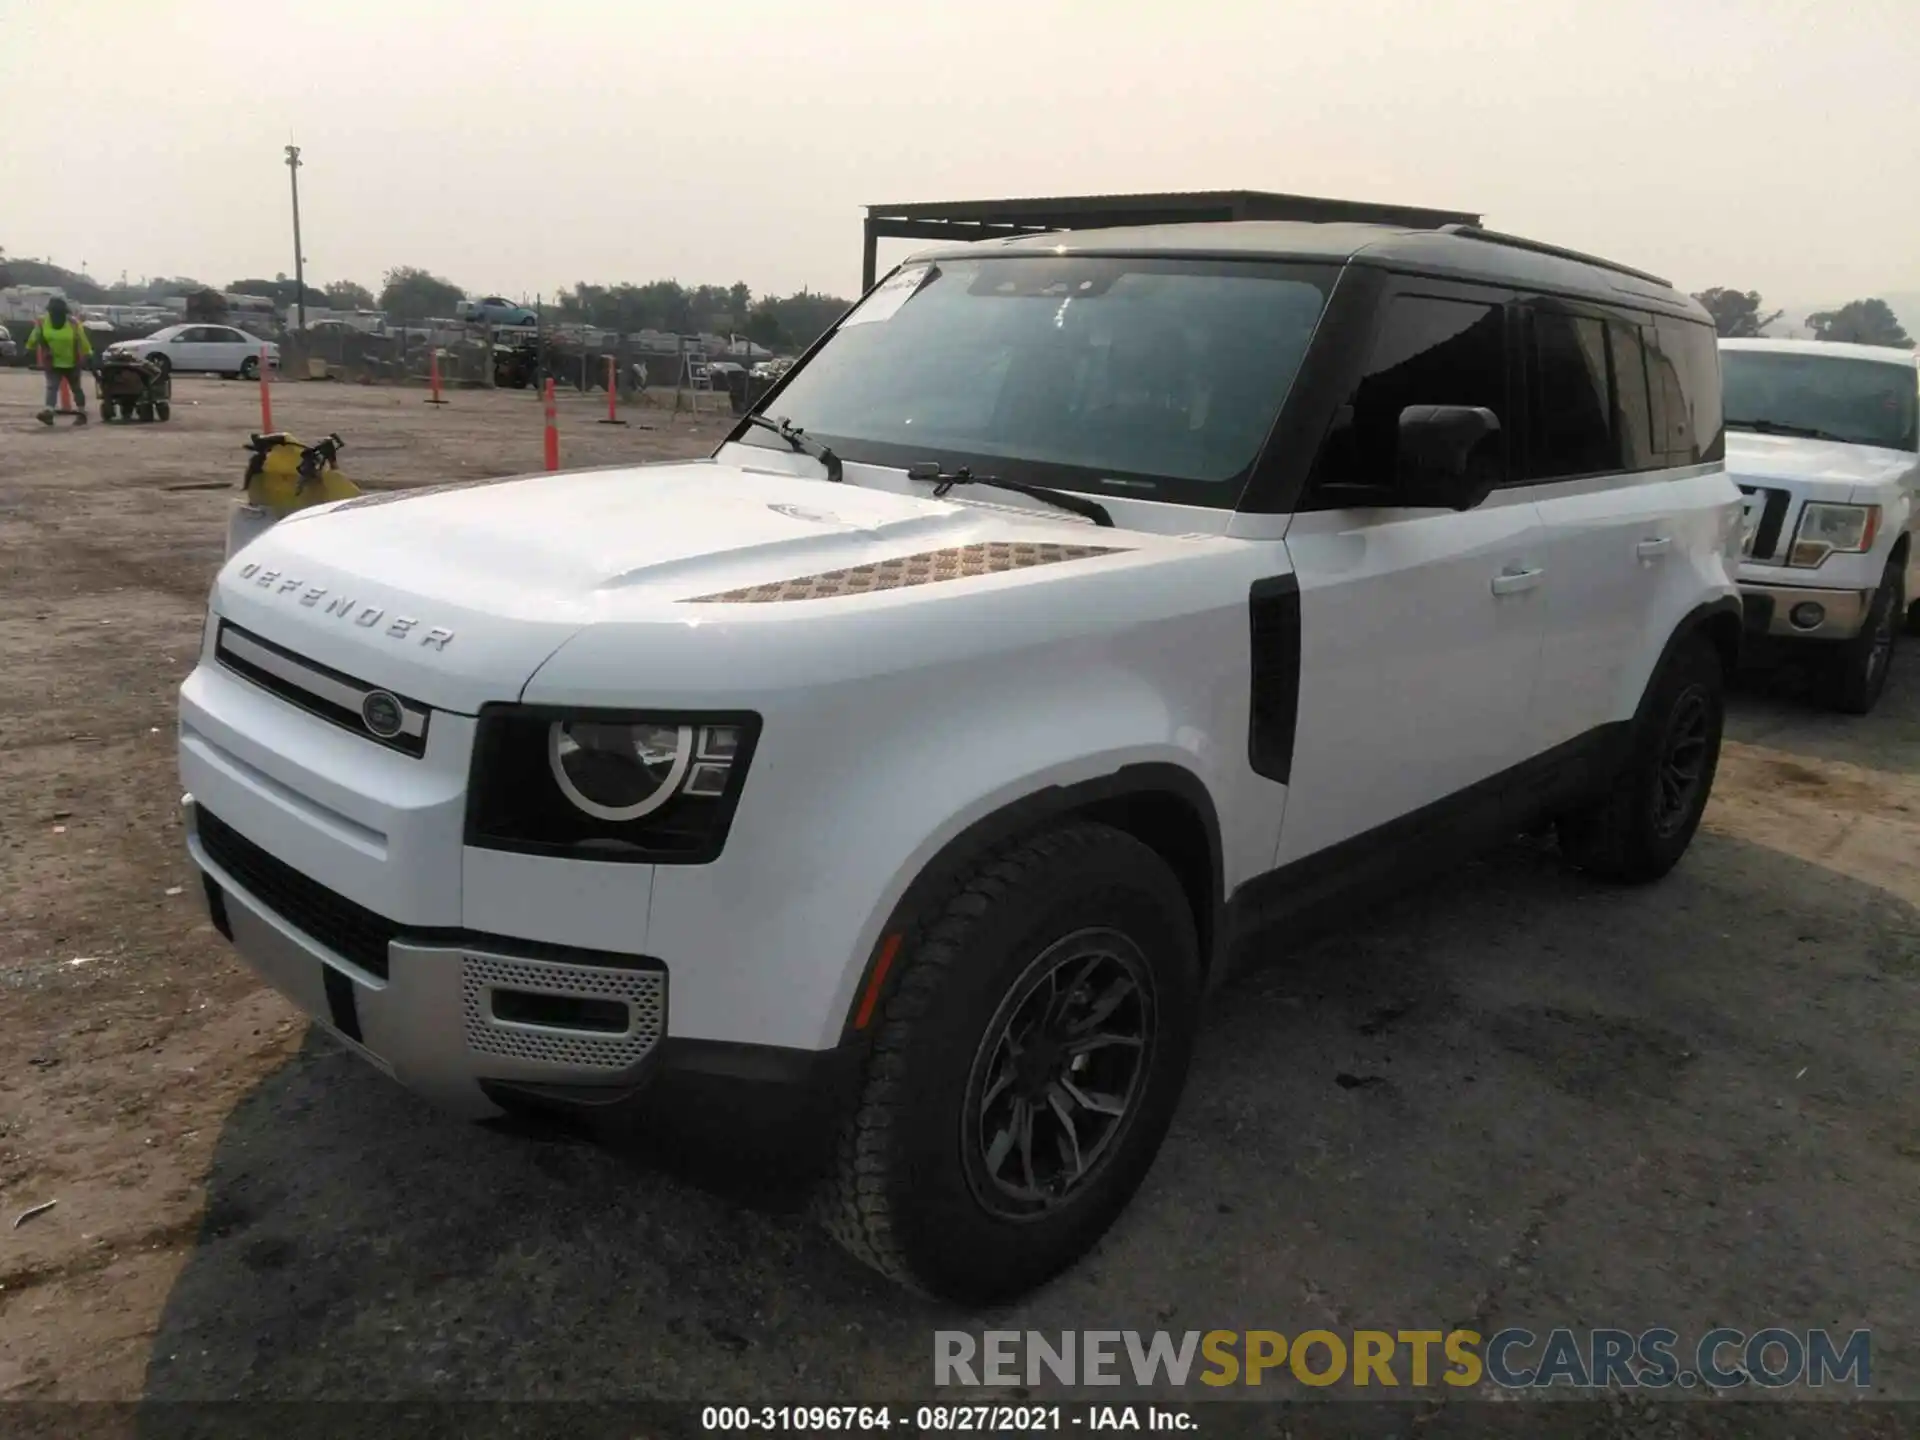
(284, 476)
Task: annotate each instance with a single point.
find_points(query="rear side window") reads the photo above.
(1428, 351)
(1632, 407)
(1683, 367)
(1571, 405)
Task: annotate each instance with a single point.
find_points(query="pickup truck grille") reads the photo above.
(1767, 522)
(334, 697)
(351, 931)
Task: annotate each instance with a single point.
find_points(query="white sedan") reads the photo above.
(220, 349)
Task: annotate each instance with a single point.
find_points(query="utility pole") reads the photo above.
(299, 261)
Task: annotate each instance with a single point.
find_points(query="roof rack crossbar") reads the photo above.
(1539, 247)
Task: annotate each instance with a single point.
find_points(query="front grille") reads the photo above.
(351, 931)
(1769, 523)
(485, 980)
(322, 691)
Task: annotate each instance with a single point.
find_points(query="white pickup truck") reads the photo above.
(1824, 441)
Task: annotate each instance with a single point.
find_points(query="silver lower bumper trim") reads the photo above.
(421, 1022)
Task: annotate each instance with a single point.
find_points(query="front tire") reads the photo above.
(1860, 668)
(250, 368)
(1026, 1068)
(165, 365)
(1641, 827)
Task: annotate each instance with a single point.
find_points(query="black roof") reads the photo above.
(1453, 250)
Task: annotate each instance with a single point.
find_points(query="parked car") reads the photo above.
(905, 772)
(1824, 441)
(10, 353)
(219, 349)
(496, 311)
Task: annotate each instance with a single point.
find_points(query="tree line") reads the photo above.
(1737, 315)
(786, 323)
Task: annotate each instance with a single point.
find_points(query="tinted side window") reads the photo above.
(1683, 363)
(1672, 419)
(1696, 351)
(1569, 397)
(1427, 352)
(1632, 408)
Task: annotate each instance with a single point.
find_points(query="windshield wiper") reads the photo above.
(929, 470)
(802, 442)
(1775, 427)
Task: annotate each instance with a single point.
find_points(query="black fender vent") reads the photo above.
(1274, 709)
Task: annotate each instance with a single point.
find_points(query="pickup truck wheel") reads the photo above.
(1025, 1071)
(1638, 831)
(1860, 668)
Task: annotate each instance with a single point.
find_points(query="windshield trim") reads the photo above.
(1223, 494)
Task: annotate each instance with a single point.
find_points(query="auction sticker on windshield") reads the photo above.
(889, 296)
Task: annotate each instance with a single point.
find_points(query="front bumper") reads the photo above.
(1770, 611)
(485, 1026)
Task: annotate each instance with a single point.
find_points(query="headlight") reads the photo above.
(618, 772)
(607, 786)
(1826, 529)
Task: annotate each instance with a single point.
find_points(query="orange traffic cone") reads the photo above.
(553, 433)
(613, 396)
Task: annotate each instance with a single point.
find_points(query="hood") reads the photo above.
(1828, 465)
(455, 594)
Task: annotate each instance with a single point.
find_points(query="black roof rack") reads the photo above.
(1495, 237)
(968, 220)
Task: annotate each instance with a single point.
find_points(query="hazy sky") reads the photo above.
(1765, 144)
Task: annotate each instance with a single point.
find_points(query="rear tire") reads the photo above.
(1861, 665)
(1638, 831)
(1064, 966)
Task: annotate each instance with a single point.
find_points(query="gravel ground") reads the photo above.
(1515, 1098)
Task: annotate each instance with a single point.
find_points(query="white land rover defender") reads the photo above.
(1825, 443)
(907, 768)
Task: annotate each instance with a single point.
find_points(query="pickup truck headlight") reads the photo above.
(1827, 529)
(604, 785)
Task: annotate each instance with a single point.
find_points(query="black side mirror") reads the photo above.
(1448, 455)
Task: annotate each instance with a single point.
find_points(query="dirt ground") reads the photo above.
(1514, 1099)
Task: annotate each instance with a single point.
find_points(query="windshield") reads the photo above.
(1156, 377)
(1861, 402)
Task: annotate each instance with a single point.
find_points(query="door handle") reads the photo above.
(1655, 548)
(1512, 582)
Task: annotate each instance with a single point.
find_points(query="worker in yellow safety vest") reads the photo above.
(64, 348)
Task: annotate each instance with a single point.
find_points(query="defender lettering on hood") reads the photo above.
(367, 617)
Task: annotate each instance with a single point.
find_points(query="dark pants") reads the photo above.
(72, 377)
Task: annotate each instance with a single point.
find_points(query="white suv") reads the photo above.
(1825, 444)
(908, 768)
